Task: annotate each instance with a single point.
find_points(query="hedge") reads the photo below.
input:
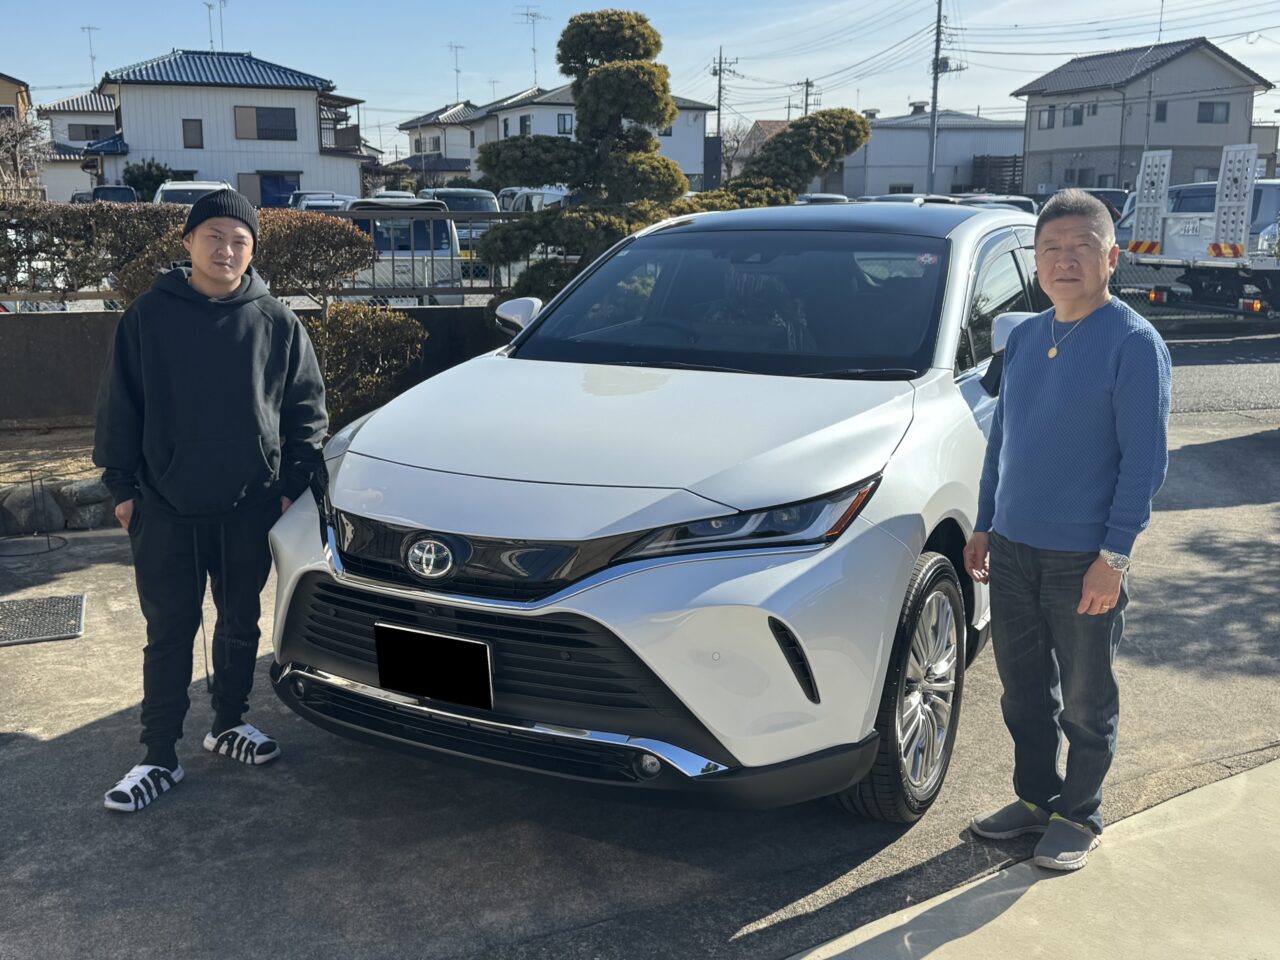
(51, 247)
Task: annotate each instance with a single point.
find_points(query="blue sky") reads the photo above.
(393, 53)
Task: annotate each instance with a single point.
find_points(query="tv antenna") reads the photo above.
(457, 72)
(531, 16)
(93, 61)
(209, 7)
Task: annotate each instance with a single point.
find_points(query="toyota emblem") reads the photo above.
(429, 558)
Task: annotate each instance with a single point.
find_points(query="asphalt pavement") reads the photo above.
(339, 850)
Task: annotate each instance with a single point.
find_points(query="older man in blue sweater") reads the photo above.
(1077, 452)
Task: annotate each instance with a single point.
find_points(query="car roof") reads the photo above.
(458, 192)
(188, 184)
(395, 203)
(930, 220)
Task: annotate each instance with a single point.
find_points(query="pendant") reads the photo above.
(1053, 352)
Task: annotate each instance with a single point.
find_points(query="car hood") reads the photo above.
(740, 440)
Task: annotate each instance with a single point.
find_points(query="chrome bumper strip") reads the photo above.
(690, 764)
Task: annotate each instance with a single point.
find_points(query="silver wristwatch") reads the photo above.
(1116, 561)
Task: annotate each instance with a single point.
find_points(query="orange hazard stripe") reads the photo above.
(1226, 250)
(1144, 246)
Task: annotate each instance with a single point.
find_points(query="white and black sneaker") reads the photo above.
(245, 743)
(141, 785)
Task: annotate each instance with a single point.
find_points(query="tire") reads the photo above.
(898, 790)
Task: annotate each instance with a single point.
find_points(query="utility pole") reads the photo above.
(718, 71)
(808, 87)
(209, 7)
(93, 61)
(788, 108)
(933, 102)
(457, 72)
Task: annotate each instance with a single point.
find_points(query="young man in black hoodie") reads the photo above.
(210, 423)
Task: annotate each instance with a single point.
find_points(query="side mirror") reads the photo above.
(514, 315)
(1004, 325)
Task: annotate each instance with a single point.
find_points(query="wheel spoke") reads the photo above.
(941, 709)
(938, 686)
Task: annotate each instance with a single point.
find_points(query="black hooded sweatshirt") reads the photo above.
(208, 405)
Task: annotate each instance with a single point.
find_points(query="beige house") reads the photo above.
(15, 97)
(1089, 121)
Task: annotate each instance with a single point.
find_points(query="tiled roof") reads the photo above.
(947, 119)
(209, 68)
(87, 102)
(65, 151)
(434, 163)
(1104, 71)
(112, 146)
(450, 113)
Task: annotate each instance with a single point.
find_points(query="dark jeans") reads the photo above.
(173, 561)
(1056, 666)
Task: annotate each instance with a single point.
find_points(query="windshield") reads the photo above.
(115, 194)
(471, 204)
(1201, 199)
(186, 195)
(408, 236)
(783, 302)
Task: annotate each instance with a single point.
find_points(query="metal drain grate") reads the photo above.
(44, 618)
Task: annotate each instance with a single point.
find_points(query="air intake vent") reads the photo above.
(795, 656)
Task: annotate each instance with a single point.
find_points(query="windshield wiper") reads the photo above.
(866, 373)
(676, 365)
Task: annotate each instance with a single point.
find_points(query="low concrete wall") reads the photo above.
(51, 363)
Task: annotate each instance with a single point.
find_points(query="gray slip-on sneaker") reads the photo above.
(1011, 820)
(1065, 845)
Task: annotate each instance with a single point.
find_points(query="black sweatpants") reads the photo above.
(173, 560)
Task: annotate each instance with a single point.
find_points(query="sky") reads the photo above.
(395, 54)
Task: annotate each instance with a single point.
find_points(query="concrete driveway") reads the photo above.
(338, 850)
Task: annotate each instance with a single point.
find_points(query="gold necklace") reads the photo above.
(1053, 351)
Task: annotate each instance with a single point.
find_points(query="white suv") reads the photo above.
(698, 529)
(187, 191)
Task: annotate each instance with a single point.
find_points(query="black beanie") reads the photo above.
(223, 203)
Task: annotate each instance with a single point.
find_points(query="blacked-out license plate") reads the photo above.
(429, 665)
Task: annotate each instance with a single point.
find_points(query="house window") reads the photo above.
(266, 123)
(506, 127)
(433, 145)
(1048, 115)
(8, 112)
(418, 143)
(1073, 116)
(902, 188)
(88, 132)
(1213, 112)
(274, 187)
(1106, 179)
(1204, 173)
(564, 123)
(1069, 176)
(1162, 111)
(665, 131)
(526, 124)
(193, 134)
(1093, 109)
(473, 139)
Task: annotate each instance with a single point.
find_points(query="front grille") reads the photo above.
(565, 757)
(494, 569)
(555, 656)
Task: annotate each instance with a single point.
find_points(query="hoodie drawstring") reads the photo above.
(204, 640)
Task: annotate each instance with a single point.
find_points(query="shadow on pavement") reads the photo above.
(66, 565)
(1196, 350)
(1230, 472)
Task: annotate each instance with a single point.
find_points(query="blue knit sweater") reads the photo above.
(1078, 444)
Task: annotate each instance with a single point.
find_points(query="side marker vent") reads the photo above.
(795, 657)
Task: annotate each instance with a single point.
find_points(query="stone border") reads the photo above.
(66, 505)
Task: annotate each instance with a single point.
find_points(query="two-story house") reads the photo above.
(266, 129)
(455, 132)
(74, 123)
(15, 97)
(1089, 121)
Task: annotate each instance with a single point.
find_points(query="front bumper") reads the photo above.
(635, 768)
(678, 655)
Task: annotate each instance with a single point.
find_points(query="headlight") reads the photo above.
(341, 440)
(817, 521)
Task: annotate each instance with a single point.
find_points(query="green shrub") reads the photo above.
(146, 177)
(365, 354)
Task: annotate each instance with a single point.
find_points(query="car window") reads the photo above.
(407, 236)
(180, 195)
(471, 204)
(786, 302)
(998, 290)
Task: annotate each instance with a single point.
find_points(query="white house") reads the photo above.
(74, 123)
(896, 158)
(266, 129)
(1089, 120)
(456, 131)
